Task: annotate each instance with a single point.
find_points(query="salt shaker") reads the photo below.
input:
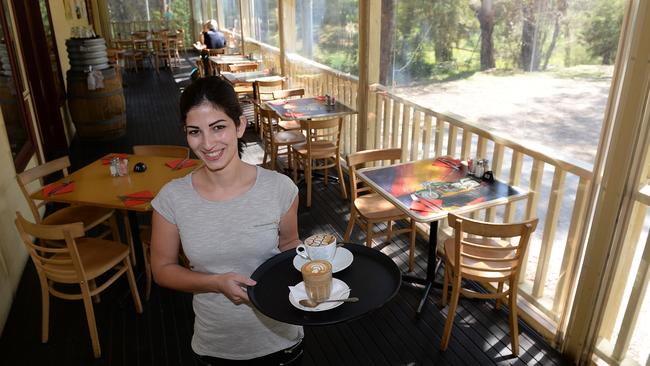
(114, 167)
(480, 168)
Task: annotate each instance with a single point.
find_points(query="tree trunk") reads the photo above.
(485, 17)
(528, 35)
(387, 39)
(551, 47)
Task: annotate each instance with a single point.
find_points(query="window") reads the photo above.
(231, 16)
(327, 31)
(264, 16)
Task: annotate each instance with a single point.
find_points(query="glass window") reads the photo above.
(327, 31)
(11, 102)
(231, 16)
(127, 16)
(264, 16)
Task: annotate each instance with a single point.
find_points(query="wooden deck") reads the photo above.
(393, 335)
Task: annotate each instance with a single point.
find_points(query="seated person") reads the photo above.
(211, 38)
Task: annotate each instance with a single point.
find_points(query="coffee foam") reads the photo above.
(320, 240)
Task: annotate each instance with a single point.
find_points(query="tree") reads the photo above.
(602, 30)
(486, 17)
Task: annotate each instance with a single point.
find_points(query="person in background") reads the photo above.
(230, 217)
(210, 38)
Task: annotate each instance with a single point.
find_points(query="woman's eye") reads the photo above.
(218, 127)
(193, 132)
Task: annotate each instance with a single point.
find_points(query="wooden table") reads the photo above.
(221, 61)
(250, 77)
(94, 186)
(308, 108)
(457, 192)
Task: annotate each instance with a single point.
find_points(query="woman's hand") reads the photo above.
(232, 285)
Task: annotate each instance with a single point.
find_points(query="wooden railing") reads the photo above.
(559, 188)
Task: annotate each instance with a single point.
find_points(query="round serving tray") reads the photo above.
(372, 277)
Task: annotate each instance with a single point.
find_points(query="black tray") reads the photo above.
(372, 277)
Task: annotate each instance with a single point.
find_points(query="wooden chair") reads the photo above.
(244, 67)
(82, 261)
(320, 151)
(273, 139)
(289, 94)
(172, 151)
(213, 69)
(89, 216)
(369, 208)
(485, 252)
(200, 67)
(262, 92)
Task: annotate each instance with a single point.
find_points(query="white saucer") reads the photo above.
(342, 259)
(340, 290)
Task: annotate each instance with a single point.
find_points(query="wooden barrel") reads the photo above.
(85, 52)
(98, 114)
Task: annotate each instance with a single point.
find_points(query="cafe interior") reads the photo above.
(462, 246)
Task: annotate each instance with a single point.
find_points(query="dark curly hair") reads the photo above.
(218, 93)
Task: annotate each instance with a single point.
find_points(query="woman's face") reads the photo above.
(212, 135)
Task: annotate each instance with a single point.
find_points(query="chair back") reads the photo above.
(323, 138)
(362, 157)
(245, 67)
(28, 176)
(60, 264)
(268, 122)
(288, 93)
(264, 88)
(483, 249)
(216, 51)
(172, 151)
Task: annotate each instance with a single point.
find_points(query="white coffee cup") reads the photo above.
(319, 246)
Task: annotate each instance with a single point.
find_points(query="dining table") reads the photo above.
(308, 108)
(370, 275)
(428, 190)
(94, 186)
(250, 77)
(220, 62)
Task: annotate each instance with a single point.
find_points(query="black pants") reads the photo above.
(289, 356)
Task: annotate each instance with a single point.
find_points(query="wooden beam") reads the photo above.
(369, 45)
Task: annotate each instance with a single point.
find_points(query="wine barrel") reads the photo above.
(85, 52)
(98, 114)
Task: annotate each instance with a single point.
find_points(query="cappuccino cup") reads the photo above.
(319, 246)
(317, 276)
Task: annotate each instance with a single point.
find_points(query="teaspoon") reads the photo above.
(311, 304)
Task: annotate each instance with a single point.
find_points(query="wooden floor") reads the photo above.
(393, 335)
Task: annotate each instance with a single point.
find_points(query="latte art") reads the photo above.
(317, 267)
(320, 240)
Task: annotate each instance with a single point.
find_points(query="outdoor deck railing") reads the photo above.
(560, 202)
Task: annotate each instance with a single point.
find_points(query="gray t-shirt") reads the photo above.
(236, 235)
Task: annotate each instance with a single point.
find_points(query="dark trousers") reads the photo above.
(289, 356)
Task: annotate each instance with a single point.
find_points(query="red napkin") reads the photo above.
(447, 162)
(55, 187)
(174, 164)
(320, 97)
(417, 206)
(293, 114)
(139, 198)
(107, 159)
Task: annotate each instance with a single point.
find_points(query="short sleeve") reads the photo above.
(162, 203)
(287, 192)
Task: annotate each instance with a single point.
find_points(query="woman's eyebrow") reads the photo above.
(215, 122)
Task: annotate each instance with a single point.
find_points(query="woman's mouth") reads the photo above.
(214, 155)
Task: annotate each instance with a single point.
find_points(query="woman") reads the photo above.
(230, 217)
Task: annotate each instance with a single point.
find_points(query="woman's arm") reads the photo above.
(289, 228)
(165, 244)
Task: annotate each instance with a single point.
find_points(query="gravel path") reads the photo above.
(561, 113)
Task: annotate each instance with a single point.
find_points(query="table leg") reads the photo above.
(433, 263)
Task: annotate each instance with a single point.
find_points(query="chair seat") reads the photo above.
(97, 257)
(288, 137)
(375, 207)
(289, 125)
(244, 89)
(90, 216)
(492, 265)
(319, 150)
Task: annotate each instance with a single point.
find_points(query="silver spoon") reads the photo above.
(312, 304)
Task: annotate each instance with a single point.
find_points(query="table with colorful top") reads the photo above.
(427, 190)
(308, 108)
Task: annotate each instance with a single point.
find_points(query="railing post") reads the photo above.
(369, 43)
(287, 31)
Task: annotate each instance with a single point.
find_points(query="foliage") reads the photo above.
(602, 29)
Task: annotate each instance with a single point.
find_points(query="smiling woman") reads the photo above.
(230, 217)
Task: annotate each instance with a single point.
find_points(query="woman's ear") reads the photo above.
(242, 126)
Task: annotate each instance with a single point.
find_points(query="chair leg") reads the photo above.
(389, 229)
(348, 231)
(274, 155)
(499, 300)
(129, 235)
(451, 313)
(445, 284)
(514, 326)
(133, 285)
(308, 163)
(369, 227)
(93, 286)
(341, 181)
(146, 247)
(90, 318)
(45, 311)
(296, 163)
(412, 234)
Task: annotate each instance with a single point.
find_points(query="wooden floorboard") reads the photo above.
(392, 335)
